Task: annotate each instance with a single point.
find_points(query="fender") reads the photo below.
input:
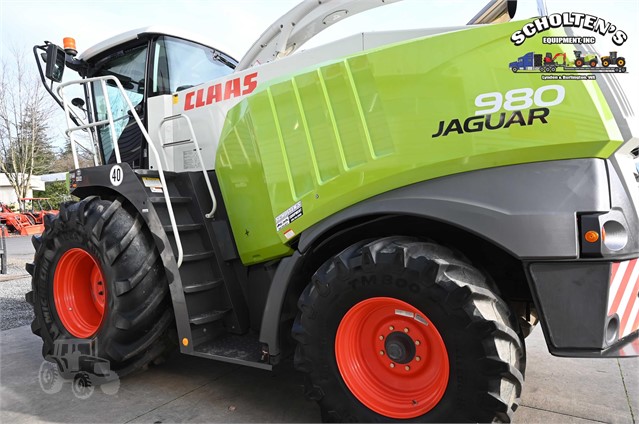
(528, 210)
(95, 181)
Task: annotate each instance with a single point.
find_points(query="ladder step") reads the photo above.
(174, 199)
(184, 227)
(202, 286)
(151, 173)
(190, 257)
(207, 317)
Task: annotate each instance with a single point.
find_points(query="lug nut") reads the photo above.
(391, 328)
(407, 368)
(381, 337)
(406, 330)
(417, 343)
(417, 358)
(392, 365)
(381, 352)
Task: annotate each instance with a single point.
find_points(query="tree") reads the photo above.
(25, 111)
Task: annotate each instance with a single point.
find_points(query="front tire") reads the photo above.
(98, 276)
(435, 306)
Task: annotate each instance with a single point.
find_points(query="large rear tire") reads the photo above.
(401, 329)
(97, 275)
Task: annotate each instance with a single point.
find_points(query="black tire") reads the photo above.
(138, 324)
(485, 350)
(605, 63)
(579, 63)
(593, 63)
(620, 62)
(30, 218)
(514, 69)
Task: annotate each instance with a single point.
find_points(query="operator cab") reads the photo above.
(148, 62)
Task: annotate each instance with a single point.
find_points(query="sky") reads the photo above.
(233, 25)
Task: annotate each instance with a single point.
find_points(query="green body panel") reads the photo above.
(348, 130)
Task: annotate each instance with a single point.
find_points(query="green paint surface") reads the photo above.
(348, 130)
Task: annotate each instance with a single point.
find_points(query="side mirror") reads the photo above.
(56, 58)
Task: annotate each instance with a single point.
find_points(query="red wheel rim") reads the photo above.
(79, 291)
(381, 331)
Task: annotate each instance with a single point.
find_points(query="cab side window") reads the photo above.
(129, 67)
(180, 64)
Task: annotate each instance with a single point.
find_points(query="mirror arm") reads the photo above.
(44, 80)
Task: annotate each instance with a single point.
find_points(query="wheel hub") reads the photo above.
(400, 347)
(79, 293)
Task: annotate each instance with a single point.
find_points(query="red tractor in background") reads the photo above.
(16, 222)
(40, 206)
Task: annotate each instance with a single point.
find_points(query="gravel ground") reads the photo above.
(14, 310)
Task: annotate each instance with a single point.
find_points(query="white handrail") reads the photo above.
(116, 148)
(69, 130)
(199, 155)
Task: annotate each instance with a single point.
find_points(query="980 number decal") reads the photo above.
(537, 101)
(520, 98)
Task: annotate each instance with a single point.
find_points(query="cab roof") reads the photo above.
(137, 33)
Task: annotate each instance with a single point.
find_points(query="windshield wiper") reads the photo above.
(220, 58)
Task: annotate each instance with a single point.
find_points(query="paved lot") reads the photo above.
(189, 389)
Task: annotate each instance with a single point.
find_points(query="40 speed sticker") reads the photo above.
(116, 175)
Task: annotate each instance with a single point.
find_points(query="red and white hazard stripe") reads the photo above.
(623, 297)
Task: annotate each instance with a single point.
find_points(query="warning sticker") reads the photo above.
(154, 184)
(288, 216)
(190, 159)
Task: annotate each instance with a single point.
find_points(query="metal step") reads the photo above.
(202, 286)
(207, 317)
(152, 173)
(191, 257)
(174, 199)
(184, 227)
(236, 349)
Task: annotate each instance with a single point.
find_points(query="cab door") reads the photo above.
(176, 65)
(129, 65)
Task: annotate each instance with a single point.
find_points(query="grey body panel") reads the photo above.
(624, 199)
(572, 299)
(528, 210)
